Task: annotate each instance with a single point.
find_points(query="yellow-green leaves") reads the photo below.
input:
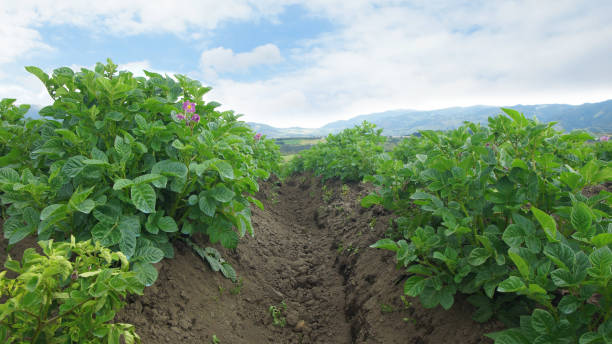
(51, 283)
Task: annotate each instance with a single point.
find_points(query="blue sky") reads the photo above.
(306, 63)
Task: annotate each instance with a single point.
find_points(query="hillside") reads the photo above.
(595, 117)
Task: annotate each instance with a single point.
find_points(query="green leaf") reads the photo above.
(53, 210)
(581, 217)
(223, 232)
(143, 197)
(199, 169)
(221, 193)
(543, 322)
(97, 154)
(590, 338)
(86, 206)
(9, 176)
(148, 254)
(447, 298)
(147, 178)
(145, 272)
(385, 244)
(170, 168)
(73, 166)
(225, 170)
(518, 117)
(122, 183)
(18, 234)
(520, 263)
(512, 284)
(38, 73)
(510, 336)
(207, 205)
(536, 289)
(601, 261)
(429, 297)
(513, 235)
(520, 164)
(478, 256)
(151, 224)
(547, 223)
(228, 271)
(370, 200)
(568, 304)
(127, 242)
(414, 286)
(602, 239)
(122, 148)
(562, 278)
(167, 224)
(561, 254)
(105, 233)
(94, 162)
(32, 282)
(256, 202)
(114, 116)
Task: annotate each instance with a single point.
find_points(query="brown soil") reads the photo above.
(311, 252)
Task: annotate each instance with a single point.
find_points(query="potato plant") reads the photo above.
(496, 211)
(20, 136)
(349, 155)
(132, 163)
(68, 294)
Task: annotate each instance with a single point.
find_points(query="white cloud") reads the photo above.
(219, 60)
(28, 90)
(436, 54)
(20, 20)
(382, 54)
(17, 40)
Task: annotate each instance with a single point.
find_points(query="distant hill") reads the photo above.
(594, 117)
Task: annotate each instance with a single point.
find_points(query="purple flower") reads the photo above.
(189, 106)
(180, 116)
(604, 138)
(257, 136)
(195, 117)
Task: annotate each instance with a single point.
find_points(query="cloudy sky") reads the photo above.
(306, 63)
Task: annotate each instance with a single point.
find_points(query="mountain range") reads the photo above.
(594, 117)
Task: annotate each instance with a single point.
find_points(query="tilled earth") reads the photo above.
(309, 258)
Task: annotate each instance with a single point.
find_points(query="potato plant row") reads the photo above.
(127, 165)
(503, 213)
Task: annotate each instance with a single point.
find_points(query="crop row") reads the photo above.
(503, 213)
(118, 169)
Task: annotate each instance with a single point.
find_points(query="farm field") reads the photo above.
(134, 211)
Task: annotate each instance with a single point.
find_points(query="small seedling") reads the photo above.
(277, 314)
(237, 287)
(407, 304)
(215, 340)
(340, 248)
(385, 308)
(372, 223)
(327, 194)
(345, 189)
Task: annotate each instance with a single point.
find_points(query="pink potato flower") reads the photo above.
(189, 106)
(257, 136)
(180, 116)
(604, 139)
(195, 117)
